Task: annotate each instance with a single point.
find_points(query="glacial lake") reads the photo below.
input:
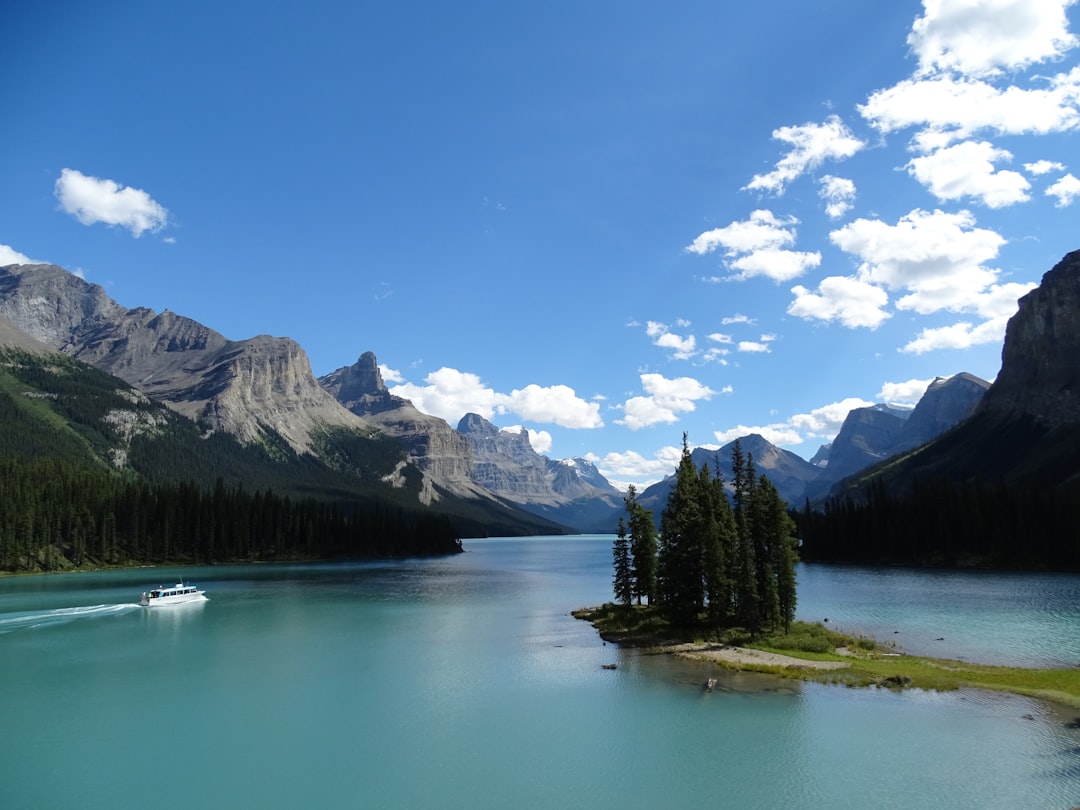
(463, 682)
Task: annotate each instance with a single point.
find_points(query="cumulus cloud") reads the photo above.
(738, 318)
(1065, 190)
(937, 257)
(962, 335)
(1043, 167)
(682, 348)
(852, 302)
(811, 145)
(450, 394)
(948, 109)
(557, 404)
(756, 247)
(827, 420)
(390, 375)
(778, 434)
(665, 399)
(838, 194)
(985, 37)
(967, 170)
(8, 255)
(753, 346)
(908, 392)
(619, 466)
(91, 200)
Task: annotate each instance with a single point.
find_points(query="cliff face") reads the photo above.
(946, 403)
(240, 387)
(1040, 360)
(437, 449)
(505, 462)
(867, 436)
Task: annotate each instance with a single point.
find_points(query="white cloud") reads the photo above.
(682, 348)
(8, 255)
(555, 404)
(1066, 190)
(389, 375)
(779, 265)
(539, 440)
(936, 257)
(753, 347)
(630, 464)
(665, 399)
(961, 335)
(776, 434)
(825, 422)
(763, 230)
(812, 145)
(904, 393)
(719, 337)
(850, 301)
(755, 247)
(983, 37)
(90, 200)
(949, 109)
(450, 394)
(838, 194)
(1043, 167)
(967, 170)
(738, 318)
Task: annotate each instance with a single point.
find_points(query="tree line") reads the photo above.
(939, 522)
(715, 562)
(56, 515)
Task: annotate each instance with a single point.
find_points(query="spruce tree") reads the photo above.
(642, 547)
(622, 582)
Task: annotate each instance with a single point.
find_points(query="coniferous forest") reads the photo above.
(944, 523)
(73, 494)
(717, 562)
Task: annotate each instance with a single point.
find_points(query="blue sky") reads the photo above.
(605, 222)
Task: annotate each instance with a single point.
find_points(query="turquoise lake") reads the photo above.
(463, 682)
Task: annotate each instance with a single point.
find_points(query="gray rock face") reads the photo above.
(866, 437)
(437, 449)
(1040, 359)
(946, 403)
(13, 337)
(240, 387)
(505, 463)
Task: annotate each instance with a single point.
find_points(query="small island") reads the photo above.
(812, 652)
(718, 586)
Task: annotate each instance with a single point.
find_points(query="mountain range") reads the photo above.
(260, 393)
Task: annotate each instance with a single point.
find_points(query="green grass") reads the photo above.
(869, 663)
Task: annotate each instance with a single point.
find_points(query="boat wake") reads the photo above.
(42, 618)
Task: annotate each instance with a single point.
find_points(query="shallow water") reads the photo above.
(463, 682)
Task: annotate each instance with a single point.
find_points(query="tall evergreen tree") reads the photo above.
(643, 549)
(622, 583)
(682, 536)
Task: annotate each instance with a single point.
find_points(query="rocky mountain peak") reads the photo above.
(947, 402)
(1040, 359)
(240, 387)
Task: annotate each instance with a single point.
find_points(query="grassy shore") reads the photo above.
(852, 661)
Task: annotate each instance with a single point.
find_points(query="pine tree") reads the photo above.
(622, 582)
(642, 547)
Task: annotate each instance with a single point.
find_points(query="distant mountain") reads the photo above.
(866, 437)
(1025, 430)
(573, 492)
(789, 473)
(946, 403)
(250, 388)
(260, 393)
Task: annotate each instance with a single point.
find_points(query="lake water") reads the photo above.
(463, 682)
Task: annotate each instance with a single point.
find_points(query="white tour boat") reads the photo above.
(178, 594)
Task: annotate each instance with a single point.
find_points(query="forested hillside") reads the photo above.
(94, 473)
